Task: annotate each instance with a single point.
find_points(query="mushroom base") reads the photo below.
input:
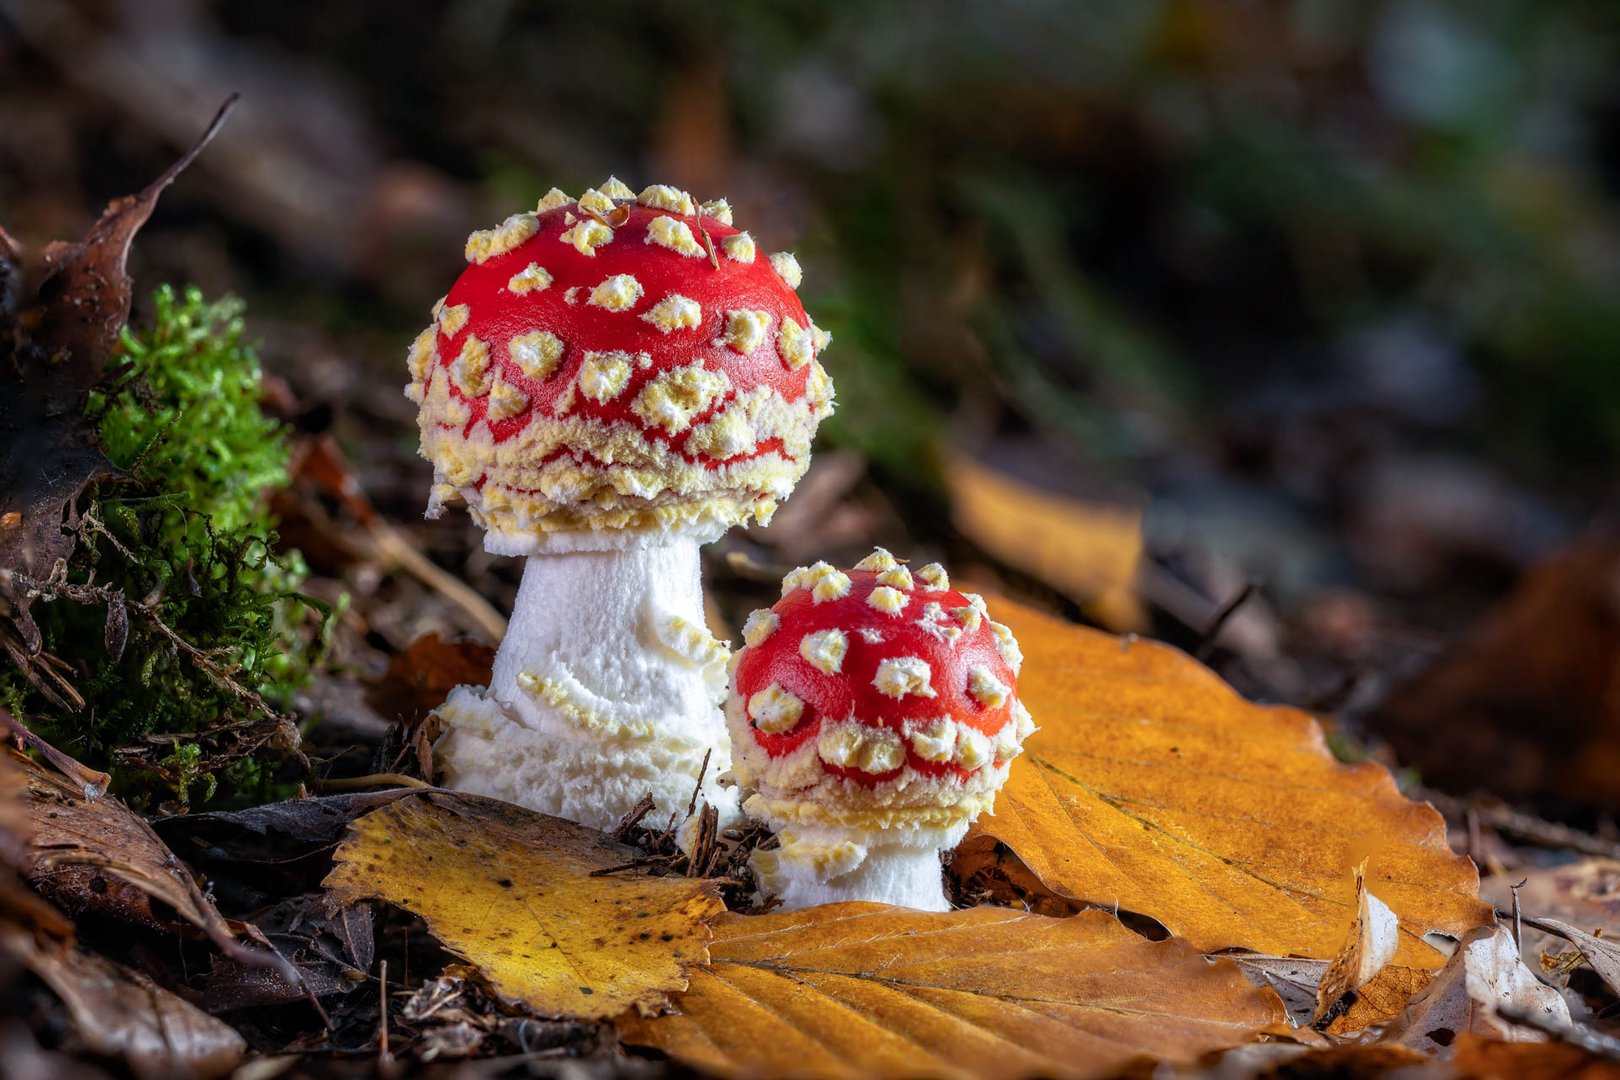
(605, 689)
(832, 866)
(488, 751)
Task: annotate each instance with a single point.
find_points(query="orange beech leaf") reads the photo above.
(1152, 786)
(866, 990)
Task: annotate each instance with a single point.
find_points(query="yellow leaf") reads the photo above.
(510, 891)
(1089, 552)
(1152, 785)
(866, 990)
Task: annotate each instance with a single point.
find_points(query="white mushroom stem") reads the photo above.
(605, 689)
(824, 866)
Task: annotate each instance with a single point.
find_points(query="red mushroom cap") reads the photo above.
(614, 363)
(873, 698)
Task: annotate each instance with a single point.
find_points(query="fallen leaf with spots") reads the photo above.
(1151, 785)
(866, 990)
(511, 891)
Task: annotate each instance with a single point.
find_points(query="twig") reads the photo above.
(643, 807)
(360, 783)
(384, 1058)
(85, 594)
(1579, 1035)
(92, 783)
(1206, 641)
(708, 241)
(1505, 819)
(697, 788)
(1518, 923)
(641, 863)
(392, 548)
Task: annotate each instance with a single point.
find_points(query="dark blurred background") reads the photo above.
(1287, 331)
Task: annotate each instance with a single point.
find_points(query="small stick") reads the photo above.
(636, 864)
(384, 1058)
(642, 808)
(1518, 927)
(92, 783)
(360, 783)
(1539, 831)
(1206, 643)
(691, 807)
(392, 549)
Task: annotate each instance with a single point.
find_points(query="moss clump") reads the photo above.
(182, 628)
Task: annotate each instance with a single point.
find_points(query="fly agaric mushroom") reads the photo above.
(613, 381)
(874, 714)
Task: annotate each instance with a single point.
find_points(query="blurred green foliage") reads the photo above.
(1108, 220)
(186, 532)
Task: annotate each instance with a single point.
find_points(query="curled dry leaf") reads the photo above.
(51, 354)
(1584, 894)
(1087, 551)
(1601, 953)
(275, 834)
(122, 1014)
(1484, 974)
(329, 943)
(98, 855)
(866, 990)
(1151, 785)
(1296, 981)
(511, 892)
(14, 827)
(417, 681)
(1368, 948)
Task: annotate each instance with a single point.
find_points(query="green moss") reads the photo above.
(187, 534)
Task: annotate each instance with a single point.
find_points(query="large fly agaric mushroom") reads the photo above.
(613, 381)
(874, 714)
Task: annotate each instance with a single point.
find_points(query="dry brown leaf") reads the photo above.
(14, 827)
(1488, 1059)
(98, 855)
(1368, 948)
(511, 891)
(1485, 973)
(1087, 551)
(1290, 1061)
(1601, 953)
(1151, 785)
(866, 990)
(119, 1013)
(1584, 894)
(1535, 687)
(419, 679)
(51, 354)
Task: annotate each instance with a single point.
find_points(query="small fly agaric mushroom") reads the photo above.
(874, 714)
(612, 381)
